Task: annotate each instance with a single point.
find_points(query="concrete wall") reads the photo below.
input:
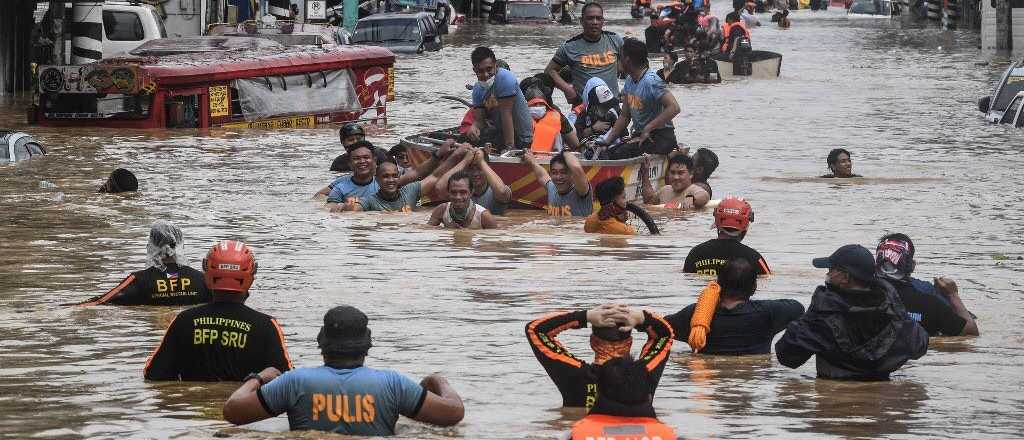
(16, 23)
(990, 31)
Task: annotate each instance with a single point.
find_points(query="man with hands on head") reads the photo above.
(610, 338)
(343, 395)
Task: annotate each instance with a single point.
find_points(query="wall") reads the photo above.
(16, 23)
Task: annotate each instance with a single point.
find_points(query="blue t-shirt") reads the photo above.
(570, 203)
(344, 190)
(504, 86)
(644, 99)
(358, 401)
(408, 197)
(487, 200)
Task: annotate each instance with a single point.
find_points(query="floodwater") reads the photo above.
(900, 96)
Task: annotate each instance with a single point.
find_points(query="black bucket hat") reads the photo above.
(345, 331)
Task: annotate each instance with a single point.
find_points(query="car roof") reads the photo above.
(391, 15)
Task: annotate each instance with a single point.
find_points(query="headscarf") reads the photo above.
(165, 241)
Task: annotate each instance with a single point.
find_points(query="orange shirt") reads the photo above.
(610, 226)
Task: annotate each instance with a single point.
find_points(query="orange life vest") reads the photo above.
(600, 426)
(546, 130)
(727, 27)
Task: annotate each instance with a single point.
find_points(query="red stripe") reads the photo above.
(112, 293)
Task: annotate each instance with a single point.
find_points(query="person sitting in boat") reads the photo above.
(460, 212)
(552, 132)
(569, 191)
(681, 192)
(748, 17)
(732, 220)
(489, 190)
(599, 110)
(611, 337)
(705, 162)
(732, 31)
(611, 218)
(623, 405)
(401, 157)
(347, 190)
(497, 99)
(168, 281)
(726, 321)
(120, 180)
(647, 103)
(840, 164)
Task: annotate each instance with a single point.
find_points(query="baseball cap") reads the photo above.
(603, 94)
(852, 258)
(344, 330)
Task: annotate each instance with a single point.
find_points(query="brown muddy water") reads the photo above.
(898, 95)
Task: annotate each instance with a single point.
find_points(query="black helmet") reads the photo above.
(349, 130)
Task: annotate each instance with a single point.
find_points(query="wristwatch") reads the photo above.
(252, 376)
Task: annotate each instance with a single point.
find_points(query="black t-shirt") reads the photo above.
(174, 286)
(708, 257)
(747, 328)
(218, 341)
(935, 315)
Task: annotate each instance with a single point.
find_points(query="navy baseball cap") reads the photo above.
(853, 259)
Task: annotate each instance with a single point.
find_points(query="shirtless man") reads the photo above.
(681, 192)
(460, 212)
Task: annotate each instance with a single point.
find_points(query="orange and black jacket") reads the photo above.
(174, 286)
(576, 379)
(218, 341)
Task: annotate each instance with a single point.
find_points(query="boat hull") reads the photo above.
(764, 65)
(526, 190)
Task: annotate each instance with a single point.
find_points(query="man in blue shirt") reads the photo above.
(569, 192)
(645, 102)
(498, 100)
(347, 190)
(343, 396)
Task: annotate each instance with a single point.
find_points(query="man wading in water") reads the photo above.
(223, 340)
(347, 190)
(732, 220)
(460, 212)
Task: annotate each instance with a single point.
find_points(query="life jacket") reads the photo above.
(727, 28)
(547, 130)
(600, 426)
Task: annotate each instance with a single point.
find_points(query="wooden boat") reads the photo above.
(526, 191)
(764, 65)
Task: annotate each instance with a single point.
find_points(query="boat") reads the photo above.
(526, 191)
(234, 82)
(763, 65)
(1009, 86)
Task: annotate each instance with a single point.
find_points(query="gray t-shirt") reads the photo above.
(570, 203)
(644, 99)
(408, 197)
(505, 86)
(592, 59)
(488, 201)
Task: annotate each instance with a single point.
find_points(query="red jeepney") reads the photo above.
(235, 82)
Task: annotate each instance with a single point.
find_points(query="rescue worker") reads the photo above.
(599, 110)
(937, 307)
(647, 103)
(592, 53)
(498, 102)
(569, 192)
(460, 212)
(681, 192)
(840, 164)
(611, 337)
(377, 396)
(856, 326)
(552, 132)
(730, 321)
(611, 218)
(732, 31)
(168, 281)
(489, 191)
(732, 220)
(225, 339)
(120, 180)
(624, 403)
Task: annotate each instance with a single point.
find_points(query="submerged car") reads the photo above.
(873, 8)
(409, 32)
(1009, 87)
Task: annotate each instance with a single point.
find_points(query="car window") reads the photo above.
(1011, 110)
(1020, 119)
(159, 23)
(123, 26)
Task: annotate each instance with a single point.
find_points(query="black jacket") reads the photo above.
(855, 335)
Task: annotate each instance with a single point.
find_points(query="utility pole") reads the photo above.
(1004, 40)
(57, 32)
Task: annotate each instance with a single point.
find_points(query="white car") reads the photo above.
(1007, 91)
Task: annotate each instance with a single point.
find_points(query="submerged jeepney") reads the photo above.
(223, 81)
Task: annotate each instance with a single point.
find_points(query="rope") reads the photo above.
(703, 312)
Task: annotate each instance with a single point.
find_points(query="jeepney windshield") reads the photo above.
(398, 29)
(312, 93)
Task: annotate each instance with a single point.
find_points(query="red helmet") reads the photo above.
(229, 267)
(733, 212)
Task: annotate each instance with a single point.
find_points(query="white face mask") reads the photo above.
(486, 84)
(538, 112)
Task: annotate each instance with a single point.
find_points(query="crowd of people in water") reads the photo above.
(868, 318)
